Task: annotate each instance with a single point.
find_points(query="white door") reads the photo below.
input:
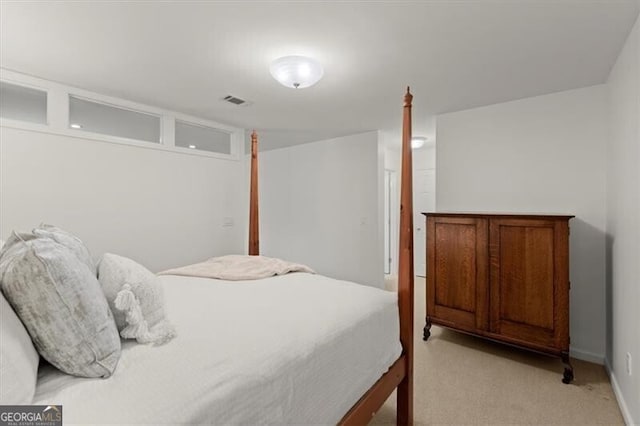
(424, 200)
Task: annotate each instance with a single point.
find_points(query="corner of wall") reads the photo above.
(624, 408)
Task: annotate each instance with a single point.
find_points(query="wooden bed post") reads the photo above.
(254, 235)
(405, 269)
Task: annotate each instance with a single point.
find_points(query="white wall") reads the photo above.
(541, 154)
(623, 226)
(321, 204)
(161, 208)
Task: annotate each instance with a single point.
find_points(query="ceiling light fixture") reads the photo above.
(75, 126)
(296, 72)
(192, 147)
(418, 142)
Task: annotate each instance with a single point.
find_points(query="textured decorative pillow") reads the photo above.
(135, 297)
(68, 240)
(18, 359)
(61, 304)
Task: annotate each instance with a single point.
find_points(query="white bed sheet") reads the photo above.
(293, 349)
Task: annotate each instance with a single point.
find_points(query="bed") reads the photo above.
(292, 349)
(310, 370)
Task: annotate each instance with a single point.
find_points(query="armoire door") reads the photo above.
(529, 281)
(457, 272)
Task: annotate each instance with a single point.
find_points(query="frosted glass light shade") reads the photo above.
(296, 72)
(418, 142)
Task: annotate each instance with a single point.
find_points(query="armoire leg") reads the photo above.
(568, 369)
(426, 331)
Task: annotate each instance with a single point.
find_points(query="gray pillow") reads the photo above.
(61, 304)
(68, 240)
(18, 359)
(135, 297)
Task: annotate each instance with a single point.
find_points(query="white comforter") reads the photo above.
(298, 348)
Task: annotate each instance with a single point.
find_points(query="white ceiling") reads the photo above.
(186, 56)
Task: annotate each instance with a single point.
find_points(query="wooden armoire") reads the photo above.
(504, 277)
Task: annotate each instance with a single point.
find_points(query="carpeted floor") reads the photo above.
(460, 379)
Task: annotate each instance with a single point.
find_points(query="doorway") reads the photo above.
(390, 221)
(424, 200)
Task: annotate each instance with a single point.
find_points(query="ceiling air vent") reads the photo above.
(233, 100)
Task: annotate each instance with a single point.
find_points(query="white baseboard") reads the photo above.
(626, 414)
(587, 356)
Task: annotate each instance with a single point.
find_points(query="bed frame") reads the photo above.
(400, 374)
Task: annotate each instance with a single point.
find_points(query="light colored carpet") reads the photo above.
(461, 379)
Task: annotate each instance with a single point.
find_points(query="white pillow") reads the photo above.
(135, 297)
(61, 304)
(68, 240)
(18, 359)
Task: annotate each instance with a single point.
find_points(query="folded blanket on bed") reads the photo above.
(238, 268)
